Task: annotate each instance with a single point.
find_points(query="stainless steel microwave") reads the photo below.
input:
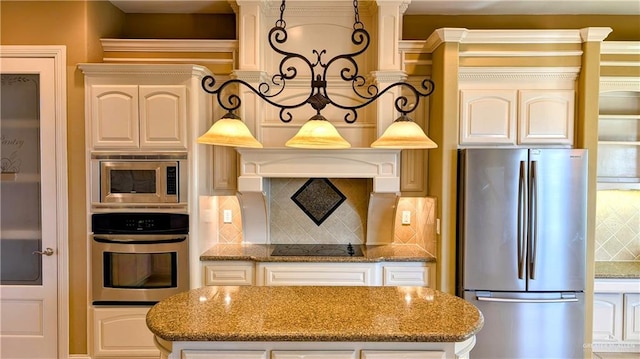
(139, 181)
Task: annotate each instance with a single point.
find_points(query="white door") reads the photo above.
(33, 205)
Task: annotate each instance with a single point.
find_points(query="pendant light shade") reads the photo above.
(403, 133)
(318, 132)
(229, 131)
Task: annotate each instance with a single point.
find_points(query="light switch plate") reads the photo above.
(226, 216)
(406, 217)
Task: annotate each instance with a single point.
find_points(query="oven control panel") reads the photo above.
(140, 223)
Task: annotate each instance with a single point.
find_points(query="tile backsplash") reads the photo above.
(618, 225)
(288, 223)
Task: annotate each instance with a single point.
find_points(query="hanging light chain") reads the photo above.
(357, 23)
(280, 22)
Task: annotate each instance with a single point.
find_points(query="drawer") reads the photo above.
(338, 274)
(228, 273)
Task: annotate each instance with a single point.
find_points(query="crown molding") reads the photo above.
(168, 45)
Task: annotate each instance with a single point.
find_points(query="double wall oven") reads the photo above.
(140, 229)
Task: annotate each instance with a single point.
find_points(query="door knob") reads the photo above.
(46, 252)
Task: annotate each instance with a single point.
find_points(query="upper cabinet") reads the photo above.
(137, 116)
(516, 116)
(143, 107)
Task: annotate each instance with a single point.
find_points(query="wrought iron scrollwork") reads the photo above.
(318, 97)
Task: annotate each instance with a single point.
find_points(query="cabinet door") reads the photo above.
(122, 332)
(224, 354)
(314, 354)
(407, 274)
(546, 116)
(398, 354)
(607, 317)
(631, 332)
(163, 117)
(361, 274)
(488, 117)
(228, 273)
(114, 116)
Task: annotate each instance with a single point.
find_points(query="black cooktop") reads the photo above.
(323, 250)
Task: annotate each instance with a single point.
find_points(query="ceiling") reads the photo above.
(416, 7)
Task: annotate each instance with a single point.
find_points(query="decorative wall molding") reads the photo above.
(608, 84)
(170, 45)
(518, 73)
(143, 69)
(620, 47)
(595, 34)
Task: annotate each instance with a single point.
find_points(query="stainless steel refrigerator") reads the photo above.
(521, 249)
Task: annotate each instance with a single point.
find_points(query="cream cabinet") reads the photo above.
(313, 273)
(388, 354)
(348, 274)
(408, 274)
(143, 107)
(229, 273)
(517, 116)
(607, 317)
(314, 354)
(224, 354)
(631, 322)
(616, 316)
(120, 331)
(138, 116)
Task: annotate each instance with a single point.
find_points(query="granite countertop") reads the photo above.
(262, 253)
(310, 313)
(618, 270)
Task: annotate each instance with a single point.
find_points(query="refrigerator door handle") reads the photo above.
(565, 298)
(533, 220)
(522, 183)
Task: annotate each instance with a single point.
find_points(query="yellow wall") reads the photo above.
(625, 27)
(80, 24)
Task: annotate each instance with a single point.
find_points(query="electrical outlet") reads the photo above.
(226, 216)
(406, 217)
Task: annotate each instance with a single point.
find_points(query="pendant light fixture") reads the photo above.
(229, 131)
(404, 133)
(317, 132)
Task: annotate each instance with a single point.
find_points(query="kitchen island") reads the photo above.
(314, 322)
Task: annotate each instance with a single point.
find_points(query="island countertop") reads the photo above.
(312, 313)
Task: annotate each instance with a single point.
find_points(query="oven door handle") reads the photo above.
(133, 240)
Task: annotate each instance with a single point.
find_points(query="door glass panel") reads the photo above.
(20, 197)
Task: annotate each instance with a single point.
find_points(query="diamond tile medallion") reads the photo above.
(318, 198)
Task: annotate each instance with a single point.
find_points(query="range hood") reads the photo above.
(257, 166)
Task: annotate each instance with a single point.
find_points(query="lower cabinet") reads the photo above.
(314, 273)
(224, 354)
(385, 354)
(315, 354)
(312, 354)
(616, 318)
(122, 332)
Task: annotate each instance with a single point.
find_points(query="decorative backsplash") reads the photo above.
(290, 224)
(618, 226)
